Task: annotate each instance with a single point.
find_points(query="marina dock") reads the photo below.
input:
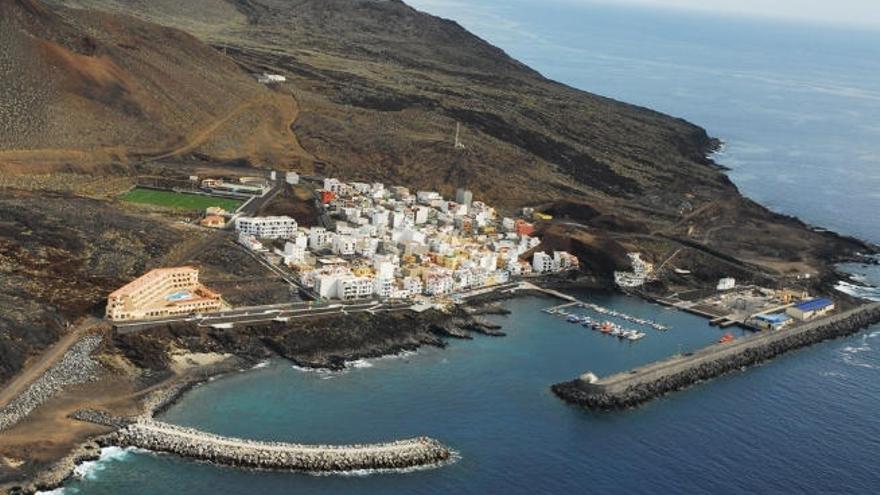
(573, 302)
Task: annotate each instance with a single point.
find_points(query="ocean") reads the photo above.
(797, 108)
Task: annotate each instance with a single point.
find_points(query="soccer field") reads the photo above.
(180, 201)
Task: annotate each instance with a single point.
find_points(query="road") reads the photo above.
(268, 313)
(46, 360)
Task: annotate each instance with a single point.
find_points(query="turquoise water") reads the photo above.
(803, 423)
(797, 106)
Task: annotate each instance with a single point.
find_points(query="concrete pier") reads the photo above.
(639, 385)
(187, 442)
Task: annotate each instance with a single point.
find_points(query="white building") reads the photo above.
(327, 286)
(438, 285)
(294, 253)
(383, 287)
(426, 197)
(351, 288)
(267, 227)
(544, 263)
(249, 241)
(318, 238)
(292, 178)
(565, 260)
(267, 78)
(333, 185)
(412, 285)
(344, 245)
(726, 284)
(421, 216)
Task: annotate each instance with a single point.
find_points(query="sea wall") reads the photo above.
(634, 387)
(186, 442)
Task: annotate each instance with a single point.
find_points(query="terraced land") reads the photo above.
(182, 201)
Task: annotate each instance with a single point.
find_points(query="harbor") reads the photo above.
(638, 385)
(602, 320)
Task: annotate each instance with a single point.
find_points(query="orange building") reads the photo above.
(213, 221)
(524, 228)
(326, 196)
(161, 293)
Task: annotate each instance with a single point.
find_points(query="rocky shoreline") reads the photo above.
(633, 388)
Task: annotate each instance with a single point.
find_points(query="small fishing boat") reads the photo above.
(725, 338)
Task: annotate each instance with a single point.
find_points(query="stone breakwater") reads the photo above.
(74, 368)
(634, 387)
(187, 442)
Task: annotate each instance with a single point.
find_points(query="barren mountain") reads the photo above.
(374, 92)
(87, 88)
(381, 87)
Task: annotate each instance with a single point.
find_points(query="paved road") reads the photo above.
(45, 361)
(265, 314)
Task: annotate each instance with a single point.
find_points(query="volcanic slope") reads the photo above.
(381, 87)
(85, 88)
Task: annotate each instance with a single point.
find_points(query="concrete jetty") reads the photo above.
(639, 385)
(187, 442)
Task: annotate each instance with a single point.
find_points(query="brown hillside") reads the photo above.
(83, 88)
(382, 85)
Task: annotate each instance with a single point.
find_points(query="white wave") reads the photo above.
(852, 353)
(351, 365)
(261, 364)
(860, 291)
(89, 469)
(57, 491)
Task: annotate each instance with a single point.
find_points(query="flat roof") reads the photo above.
(773, 318)
(813, 304)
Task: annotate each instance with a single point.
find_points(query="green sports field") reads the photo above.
(180, 201)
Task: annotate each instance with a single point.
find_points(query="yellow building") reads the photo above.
(161, 293)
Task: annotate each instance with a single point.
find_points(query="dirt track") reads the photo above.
(39, 366)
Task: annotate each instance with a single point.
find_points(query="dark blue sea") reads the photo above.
(798, 109)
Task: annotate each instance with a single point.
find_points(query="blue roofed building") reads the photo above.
(810, 309)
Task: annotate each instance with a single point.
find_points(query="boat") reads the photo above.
(606, 327)
(636, 335)
(725, 338)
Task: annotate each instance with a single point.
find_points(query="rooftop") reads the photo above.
(813, 304)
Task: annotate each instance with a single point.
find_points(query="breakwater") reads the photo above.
(190, 443)
(639, 385)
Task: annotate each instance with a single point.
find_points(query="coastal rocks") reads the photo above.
(100, 418)
(74, 368)
(645, 384)
(55, 476)
(190, 443)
